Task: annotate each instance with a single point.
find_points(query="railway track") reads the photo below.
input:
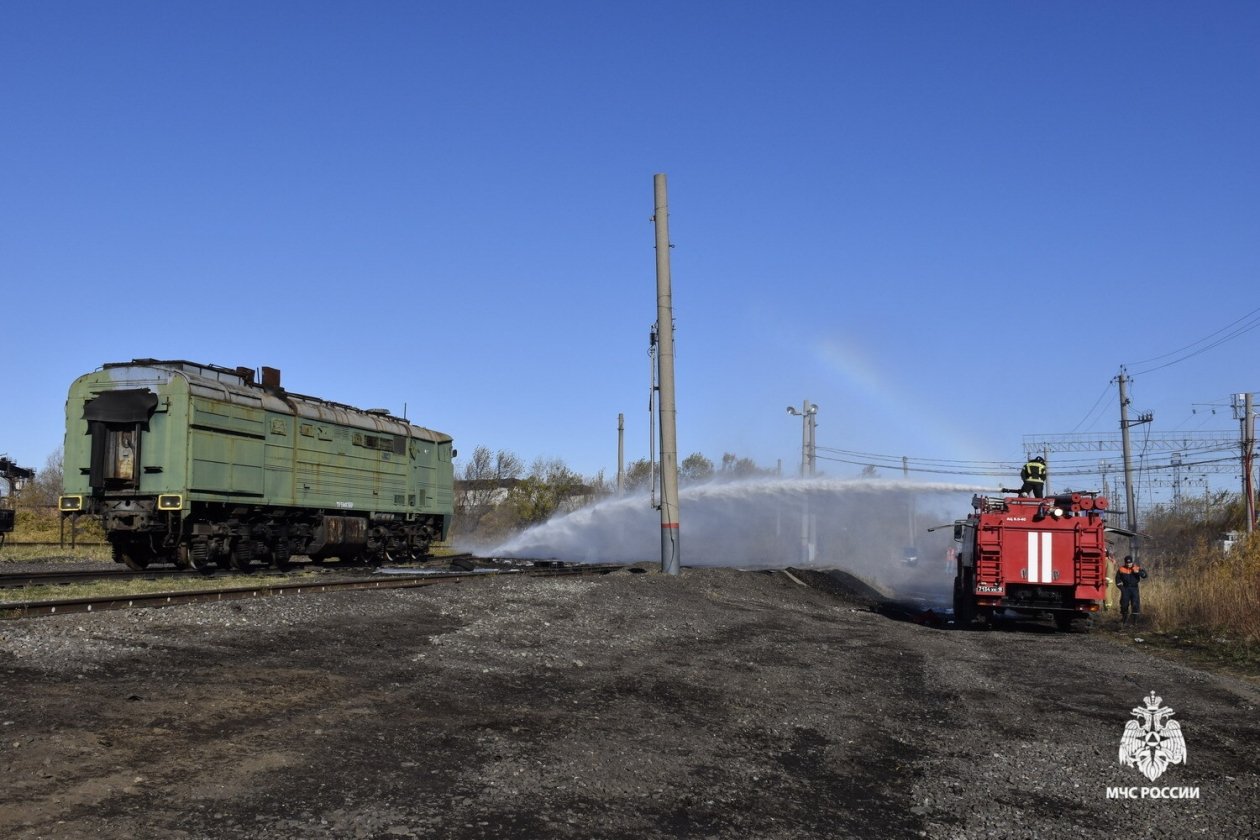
(24, 579)
(55, 544)
(394, 579)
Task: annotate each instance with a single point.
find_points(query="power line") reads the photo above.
(1061, 469)
(1105, 391)
(1248, 323)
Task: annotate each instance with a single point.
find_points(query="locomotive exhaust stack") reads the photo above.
(271, 379)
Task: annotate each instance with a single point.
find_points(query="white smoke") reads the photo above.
(863, 526)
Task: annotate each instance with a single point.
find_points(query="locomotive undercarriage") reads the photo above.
(239, 536)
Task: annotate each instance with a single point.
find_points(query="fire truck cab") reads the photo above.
(1032, 556)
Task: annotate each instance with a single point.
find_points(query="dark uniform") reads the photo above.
(1034, 476)
(1128, 578)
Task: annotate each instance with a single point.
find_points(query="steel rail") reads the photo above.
(28, 609)
(56, 544)
(20, 580)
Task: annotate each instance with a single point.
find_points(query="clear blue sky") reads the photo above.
(947, 223)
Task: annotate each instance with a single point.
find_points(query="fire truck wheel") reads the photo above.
(964, 603)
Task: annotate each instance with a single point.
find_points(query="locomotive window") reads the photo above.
(390, 443)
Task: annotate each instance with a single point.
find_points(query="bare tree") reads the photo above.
(46, 488)
(735, 467)
(694, 469)
(638, 476)
(486, 480)
(550, 487)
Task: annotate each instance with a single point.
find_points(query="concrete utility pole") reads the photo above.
(671, 554)
(809, 448)
(1243, 403)
(905, 473)
(809, 460)
(1130, 502)
(1249, 466)
(652, 371)
(621, 454)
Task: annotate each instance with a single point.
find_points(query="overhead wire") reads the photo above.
(1063, 467)
(1106, 390)
(1243, 325)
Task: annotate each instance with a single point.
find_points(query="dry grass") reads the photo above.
(136, 586)
(1206, 608)
(1210, 591)
(16, 553)
(44, 525)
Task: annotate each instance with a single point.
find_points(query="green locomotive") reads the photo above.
(199, 465)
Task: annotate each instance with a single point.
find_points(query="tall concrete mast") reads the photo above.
(809, 456)
(621, 454)
(671, 555)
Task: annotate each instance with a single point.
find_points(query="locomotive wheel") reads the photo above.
(199, 556)
(280, 556)
(181, 558)
(242, 554)
(131, 558)
(134, 563)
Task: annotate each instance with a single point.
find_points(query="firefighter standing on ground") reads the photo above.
(1128, 578)
(1034, 476)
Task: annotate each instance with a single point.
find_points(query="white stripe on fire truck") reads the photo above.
(1040, 550)
(1047, 566)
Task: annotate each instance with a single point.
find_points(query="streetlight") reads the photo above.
(809, 522)
(808, 414)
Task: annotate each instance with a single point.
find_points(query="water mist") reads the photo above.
(863, 526)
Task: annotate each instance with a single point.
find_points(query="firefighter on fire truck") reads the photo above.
(1034, 476)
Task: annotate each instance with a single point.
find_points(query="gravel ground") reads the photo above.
(717, 704)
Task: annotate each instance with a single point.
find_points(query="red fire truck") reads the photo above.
(1032, 556)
